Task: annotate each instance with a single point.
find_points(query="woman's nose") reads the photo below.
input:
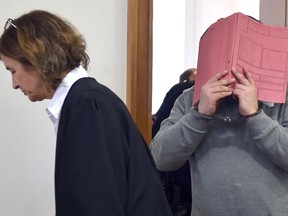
(15, 84)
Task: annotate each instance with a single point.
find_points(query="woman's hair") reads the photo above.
(45, 42)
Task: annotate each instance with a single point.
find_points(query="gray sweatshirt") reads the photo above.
(239, 166)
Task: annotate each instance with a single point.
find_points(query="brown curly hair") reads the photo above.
(46, 42)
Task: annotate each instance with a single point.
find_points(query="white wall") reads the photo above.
(206, 15)
(27, 140)
(178, 26)
(168, 47)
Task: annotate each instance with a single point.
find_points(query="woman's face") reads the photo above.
(28, 80)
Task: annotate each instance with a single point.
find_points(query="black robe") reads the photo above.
(103, 165)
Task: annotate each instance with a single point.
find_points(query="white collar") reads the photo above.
(54, 107)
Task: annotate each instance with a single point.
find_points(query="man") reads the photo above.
(176, 183)
(186, 80)
(237, 148)
(188, 75)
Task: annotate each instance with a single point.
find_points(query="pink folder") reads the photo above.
(239, 41)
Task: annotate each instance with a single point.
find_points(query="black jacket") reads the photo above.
(168, 102)
(103, 165)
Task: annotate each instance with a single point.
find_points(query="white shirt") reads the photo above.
(54, 107)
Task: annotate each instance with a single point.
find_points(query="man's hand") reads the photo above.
(212, 91)
(245, 90)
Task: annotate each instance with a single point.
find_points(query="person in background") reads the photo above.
(237, 148)
(188, 75)
(177, 183)
(103, 165)
(186, 80)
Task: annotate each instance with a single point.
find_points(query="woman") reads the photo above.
(103, 165)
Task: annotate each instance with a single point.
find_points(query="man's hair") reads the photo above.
(187, 74)
(46, 42)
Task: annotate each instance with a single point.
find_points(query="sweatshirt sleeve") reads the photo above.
(270, 133)
(179, 134)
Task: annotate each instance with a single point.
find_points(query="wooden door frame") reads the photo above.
(139, 65)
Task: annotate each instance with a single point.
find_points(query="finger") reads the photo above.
(249, 76)
(218, 89)
(217, 80)
(219, 95)
(217, 76)
(223, 82)
(237, 92)
(240, 77)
